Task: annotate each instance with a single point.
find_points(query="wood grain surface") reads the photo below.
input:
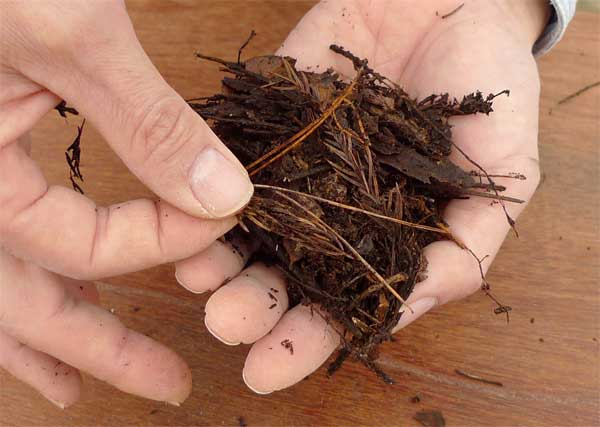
(547, 357)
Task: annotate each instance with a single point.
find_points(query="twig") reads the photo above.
(213, 59)
(491, 196)
(434, 126)
(294, 141)
(448, 15)
(579, 92)
(512, 175)
(485, 286)
(250, 37)
(367, 315)
(361, 64)
(353, 208)
(511, 221)
(478, 378)
(74, 159)
(358, 256)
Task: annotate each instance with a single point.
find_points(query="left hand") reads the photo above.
(54, 241)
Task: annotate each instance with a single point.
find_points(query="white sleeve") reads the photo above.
(562, 15)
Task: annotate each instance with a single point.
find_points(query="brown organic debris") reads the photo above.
(430, 418)
(73, 156)
(288, 345)
(478, 378)
(63, 109)
(351, 178)
(449, 14)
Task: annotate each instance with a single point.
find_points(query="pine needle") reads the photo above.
(354, 208)
(297, 139)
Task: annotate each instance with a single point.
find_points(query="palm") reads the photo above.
(412, 45)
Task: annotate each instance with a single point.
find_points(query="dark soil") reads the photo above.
(351, 181)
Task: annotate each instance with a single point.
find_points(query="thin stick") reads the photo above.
(492, 196)
(291, 72)
(435, 127)
(279, 151)
(448, 15)
(358, 256)
(478, 378)
(250, 37)
(579, 92)
(353, 208)
(512, 175)
(364, 313)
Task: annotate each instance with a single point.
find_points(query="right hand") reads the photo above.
(54, 241)
(485, 46)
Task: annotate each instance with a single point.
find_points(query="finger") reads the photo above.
(296, 347)
(20, 112)
(81, 289)
(65, 232)
(56, 381)
(97, 64)
(214, 266)
(36, 309)
(248, 307)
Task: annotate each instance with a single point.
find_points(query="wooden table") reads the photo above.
(547, 357)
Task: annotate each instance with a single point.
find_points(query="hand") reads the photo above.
(54, 241)
(484, 46)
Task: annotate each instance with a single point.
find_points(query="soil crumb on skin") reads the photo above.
(288, 345)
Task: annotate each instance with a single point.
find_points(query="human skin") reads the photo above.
(54, 241)
(87, 53)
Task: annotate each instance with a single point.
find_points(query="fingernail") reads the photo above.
(214, 334)
(419, 308)
(252, 388)
(184, 286)
(56, 403)
(174, 404)
(220, 186)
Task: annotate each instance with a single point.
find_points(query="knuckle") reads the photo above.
(161, 131)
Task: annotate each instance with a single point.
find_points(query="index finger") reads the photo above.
(65, 232)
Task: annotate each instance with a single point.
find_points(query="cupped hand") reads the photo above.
(484, 46)
(54, 241)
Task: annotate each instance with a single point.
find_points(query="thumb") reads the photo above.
(98, 65)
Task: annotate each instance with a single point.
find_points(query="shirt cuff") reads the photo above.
(561, 16)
